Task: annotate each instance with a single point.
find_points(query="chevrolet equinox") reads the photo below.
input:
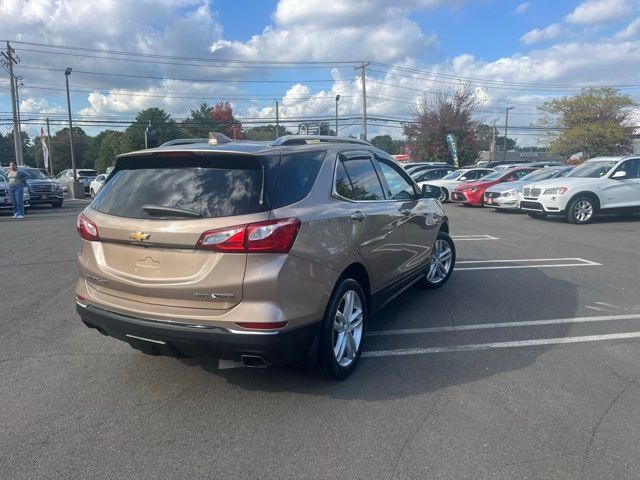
(260, 252)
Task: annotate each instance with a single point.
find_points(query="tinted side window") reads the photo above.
(296, 176)
(356, 179)
(399, 187)
(632, 167)
(522, 173)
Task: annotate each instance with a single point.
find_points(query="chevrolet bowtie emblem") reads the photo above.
(139, 236)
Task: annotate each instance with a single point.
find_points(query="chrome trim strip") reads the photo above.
(160, 342)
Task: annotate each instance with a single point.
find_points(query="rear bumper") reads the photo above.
(295, 345)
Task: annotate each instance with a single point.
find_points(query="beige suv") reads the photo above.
(264, 253)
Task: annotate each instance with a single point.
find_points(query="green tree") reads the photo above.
(390, 145)
(61, 151)
(108, 144)
(438, 114)
(595, 122)
(216, 118)
(485, 136)
(265, 132)
(7, 149)
(160, 121)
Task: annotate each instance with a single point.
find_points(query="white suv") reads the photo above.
(603, 184)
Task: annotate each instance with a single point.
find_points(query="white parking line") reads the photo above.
(535, 263)
(513, 344)
(483, 326)
(463, 238)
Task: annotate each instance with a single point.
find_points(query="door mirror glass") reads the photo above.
(619, 174)
(430, 191)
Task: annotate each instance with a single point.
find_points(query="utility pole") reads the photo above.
(17, 78)
(506, 128)
(364, 97)
(337, 100)
(9, 61)
(50, 149)
(493, 141)
(277, 121)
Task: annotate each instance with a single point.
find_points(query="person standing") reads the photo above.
(17, 183)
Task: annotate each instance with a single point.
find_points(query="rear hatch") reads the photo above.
(150, 215)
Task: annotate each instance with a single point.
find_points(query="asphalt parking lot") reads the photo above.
(525, 365)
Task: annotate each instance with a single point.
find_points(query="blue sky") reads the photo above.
(506, 49)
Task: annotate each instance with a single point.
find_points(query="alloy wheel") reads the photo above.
(583, 211)
(348, 328)
(441, 261)
(443, 195)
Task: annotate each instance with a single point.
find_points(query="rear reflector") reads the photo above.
(87, 229)
(272, 236)
(262, 325)
(80, 298)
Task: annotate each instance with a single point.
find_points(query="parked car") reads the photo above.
(449, 182)
(96, 184)
(85, 177)
(265, 253)
(472, 193)
(423, 168)
(42, 189)
(547, 163)
(108, 170)
(427, 176)
(603, 184)
(413, 165)
(507, 196)
(5, 197)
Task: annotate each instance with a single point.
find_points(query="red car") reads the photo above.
(472, 193)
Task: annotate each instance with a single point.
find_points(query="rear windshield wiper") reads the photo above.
(162, 210)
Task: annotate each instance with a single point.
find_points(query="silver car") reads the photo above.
(507, 195)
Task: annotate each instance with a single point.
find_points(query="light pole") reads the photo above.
(506, 128)
(76, 188)
(337, 100)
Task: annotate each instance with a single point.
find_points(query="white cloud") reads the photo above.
(630, 31)
(523, 7)
(594, 12)
(537, 35)
(339, 30)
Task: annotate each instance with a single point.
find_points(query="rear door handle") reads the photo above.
(358, 216)
(405, 211)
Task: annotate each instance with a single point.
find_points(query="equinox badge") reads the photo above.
(140, 236)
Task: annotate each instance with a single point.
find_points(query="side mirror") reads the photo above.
(430, 191)
(619, 174)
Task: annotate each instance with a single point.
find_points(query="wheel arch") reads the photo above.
(591, 195)
(358, 272)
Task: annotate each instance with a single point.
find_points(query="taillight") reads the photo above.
(272, 236)
(87, 229)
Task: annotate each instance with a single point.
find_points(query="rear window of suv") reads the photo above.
(205, 186)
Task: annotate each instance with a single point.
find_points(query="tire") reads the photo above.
(441, 265)
(444, 195)
(581, 210)
(57, 204)
(537, 215)
(336, 358)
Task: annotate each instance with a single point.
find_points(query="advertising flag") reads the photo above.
(452, 142)
(45, 149)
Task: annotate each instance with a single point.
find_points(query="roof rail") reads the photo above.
(215, 138)
(310, 139)
(184, 141)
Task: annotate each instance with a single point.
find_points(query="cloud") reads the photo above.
(336, 30)
(523, 7)
(537, 35)
(594, 12)
(630, 31)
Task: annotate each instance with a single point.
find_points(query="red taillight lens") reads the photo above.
(272, 236)
(262, 325)
(80, 298)
(223, 239)
(87, 229)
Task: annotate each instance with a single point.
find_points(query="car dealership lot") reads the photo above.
(525, 365)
